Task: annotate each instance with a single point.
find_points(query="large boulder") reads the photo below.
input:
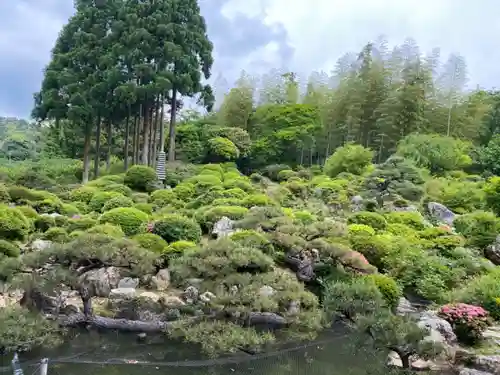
(223, 228)
(101, 281)
(439, 329)
(492, 252)
(161, 281)
(441, 213)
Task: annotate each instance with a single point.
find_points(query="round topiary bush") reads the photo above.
(176, 227)
(390, 289)
(82, 223)
(44, 222)
(107, 229)
(69, 210)
(28, 212)
(120, 201)
(151, 241)
(144, 207)
(208, 217)
(372, 219)
(56, 234)
(140, 197)
(48, 206)
(350, 158)
(131, 220)
(162, 198)
(83, 194)
(118, 188)
(13, 224)
(4, 194)
(9, 249)
(100, 198)
(414, 220)
(252, 238)
(140, 178)
(222, 149)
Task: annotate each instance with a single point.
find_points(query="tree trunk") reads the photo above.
(154, 141)
(162, 125)
(97, 156)
(127, 141)
(134, 140)
(146, 129)
(86, 156)
(109, 151)
(171, 133)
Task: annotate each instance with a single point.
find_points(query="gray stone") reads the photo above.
(439, 329)
(40, 245)
(357, 199)
(172, 301)
(122, 293)
(471, 371)
(162, 280)
(128, 282)
(224, 227)
(234, 290)
(191, 294)
(441, 212)
(487, 363)
(207, 297)
(294, 308)
(150, 295)
(405, 307)
(100, 281)
(266, 291)
(492, 252)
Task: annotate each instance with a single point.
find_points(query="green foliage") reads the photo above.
(118, 201)
(435, 152)
(100, 198)
(144, 207)
(83, 194)
(56, 234)
(390, 289)
(460, 196)
(207, 217)
(492, 190)
(140, 178)
(178, 248)
(252, 238)
(177, 227)
(4, 194)
(162, 198)
(479, 228)
(222, 149)
(411, 219)
(9, 249)
(13, 224)
(118, 188)
(130, 220)
(69, 209)
(350, 158)
(107, 229)
(44, 222)
(371, 219)
(82, 223)
(151, 242)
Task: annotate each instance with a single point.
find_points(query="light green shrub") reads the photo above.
(130, 220)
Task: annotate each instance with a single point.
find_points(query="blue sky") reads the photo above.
(257, 35)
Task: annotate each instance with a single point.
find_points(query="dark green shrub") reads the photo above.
(61, 221)
(372, 219)
(272, 171)
(252, 238)
(131, 220)
(390, 289)
(117, 188)
(480, 228)
(48, 206)
(9, 249)
(162, 198)
(176, 227)
(100, 198)
(119, 201)
(140, 178)
(350, 158)
(13, 224)
(151, 242)
(56, 234)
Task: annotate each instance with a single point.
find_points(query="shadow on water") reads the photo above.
(120, 354)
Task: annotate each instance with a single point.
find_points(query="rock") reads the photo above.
(70, 309)
(191, 294)
(207, 297)
(471, 371)
(150, 295)
(405, 307)
(128, 282)
(224, 227)
(122, 293)
(142, 336)
(417, 364)
(172, 301)
(234, 290)
(492, 252)
(439, 329)
(54, 215)
(266, 291)
(409, 208)
(162, 280)
(39, 245)
(3, 301)
(100, 281)
(315, 255)
(487, 363)
(293, 308)
(441, 212)
(357, 203)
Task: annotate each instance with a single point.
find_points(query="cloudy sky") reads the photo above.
(257, 35)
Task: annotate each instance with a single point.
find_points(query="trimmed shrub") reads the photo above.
(372, 219)
(412, 219)
(140, 197)
(178, 248)
(81, 224)
(28, 212)
(144, 207)
(83, 194)
(120, 201)
(44, 222)
(162, 198)
(357, 229)
(184, 191)
(4, 194)
(48, 206)
(13, 224)
(69, 210)
(350, 158)
(252, 238)
(107, 229)
(152, 242)
(118, 188)
(56, 234)
(100, 198)
(468, 321)
(257, 200)
(390, 289)
(176, 227)
(140, 178)
(479, 228)
(208, 217)
(9, 249)
(131, 220)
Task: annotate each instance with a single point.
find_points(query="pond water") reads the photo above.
(115, 354)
